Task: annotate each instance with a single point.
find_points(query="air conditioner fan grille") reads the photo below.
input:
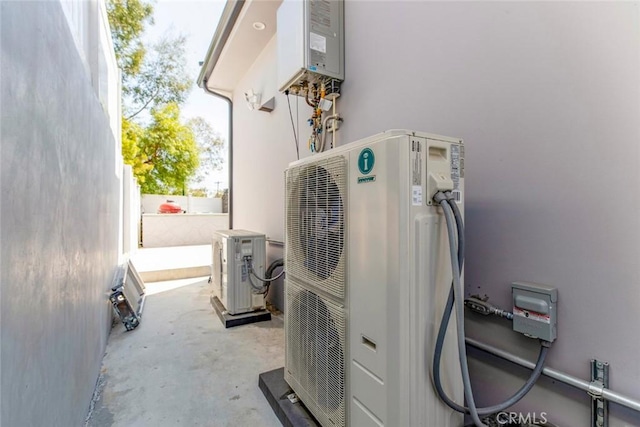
(316, 224)
(315, 358)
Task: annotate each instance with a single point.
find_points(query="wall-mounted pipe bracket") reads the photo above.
(599, 382)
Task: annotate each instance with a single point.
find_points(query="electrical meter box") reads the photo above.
(534, 310)
(231, 280)
(310, 42)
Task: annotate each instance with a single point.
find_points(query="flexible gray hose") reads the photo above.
(517, 396)
(279, 263)
(537, 371)
(459, 303)
(259, 289)
(249, 266)
(459, 228)
(444, 322)
(265, 280)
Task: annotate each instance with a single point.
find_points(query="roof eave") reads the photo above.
(228, 20)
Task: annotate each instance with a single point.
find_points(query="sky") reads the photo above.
(198, 21)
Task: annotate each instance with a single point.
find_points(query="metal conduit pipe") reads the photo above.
(230, 165)
(578, 383)
(228, 19)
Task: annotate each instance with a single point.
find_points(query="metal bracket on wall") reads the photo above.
(599, 381)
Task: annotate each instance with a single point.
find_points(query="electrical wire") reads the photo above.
(537, 371)
(249, 266)
(459, 303)
(267, 274)
(459, 228)
(248, 263)
(293, 126)
(266, 280)
(515, 398)
(259, 289)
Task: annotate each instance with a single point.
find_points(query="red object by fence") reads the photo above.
(169, 207)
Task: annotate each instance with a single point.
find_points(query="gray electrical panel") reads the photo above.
(310, 40)
(534, 310)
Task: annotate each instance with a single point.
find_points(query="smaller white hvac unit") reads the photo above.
(235, 252)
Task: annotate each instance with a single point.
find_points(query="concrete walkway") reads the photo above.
(180, 367)
(173, 263)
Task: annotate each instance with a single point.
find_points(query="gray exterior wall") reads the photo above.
(263, 146)
(547, 98)
(59, 223)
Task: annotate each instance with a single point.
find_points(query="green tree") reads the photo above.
(211, 147)
(198, 192)
(168, 152)
(162, 78)
(127, 19)
(162, 151)
(132, 134)
(151, 76)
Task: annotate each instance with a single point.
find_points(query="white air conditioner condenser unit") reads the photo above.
(368, 275)
(231, 279)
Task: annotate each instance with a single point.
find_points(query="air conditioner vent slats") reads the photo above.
(316, 225)
(315, 353)
(316, 229)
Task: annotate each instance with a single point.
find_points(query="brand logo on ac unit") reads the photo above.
(366, 160)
